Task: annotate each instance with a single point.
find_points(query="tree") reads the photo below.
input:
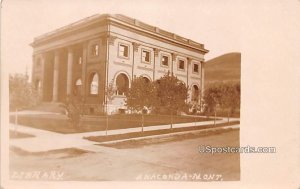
(141, 94)
(230, 99)
(225, 95)
(109, 93)
(22, 94)
(171, 94)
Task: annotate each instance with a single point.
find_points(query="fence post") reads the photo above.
(228, 117)
(106, 120)
(215, 118)
(142, 122)
(16, 122)
(171, 120)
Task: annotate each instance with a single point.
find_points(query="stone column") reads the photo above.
(202, 79)
(43, 80)
(202, 85)
(83, 70)
(188, 67)
(156, 61)
(69, 71)
(173, 66)
(55, 76)
(135, 58)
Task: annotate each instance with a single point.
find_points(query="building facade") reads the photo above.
(88, 58)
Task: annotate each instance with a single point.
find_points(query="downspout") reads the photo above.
(133, 44)
(106, 69)
(202, 85)
(187, 76)
(154, 62)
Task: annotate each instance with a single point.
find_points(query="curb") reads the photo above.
(170, 134)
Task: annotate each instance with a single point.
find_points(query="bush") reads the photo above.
(73, 111)
(22, 94)
(222, 97)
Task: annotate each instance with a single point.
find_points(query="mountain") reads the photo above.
(226, 67)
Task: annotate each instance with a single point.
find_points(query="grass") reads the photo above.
(176, 137)
(66, 152)
(59, 123)
(154, 132)
(17, 134)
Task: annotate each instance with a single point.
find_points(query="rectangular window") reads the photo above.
(146, 56)
(124, 50)
(80, 60)
(181, 64)
(95, 50)
(196, 68)
(165, 60)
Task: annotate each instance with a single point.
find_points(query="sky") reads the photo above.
(213, 24)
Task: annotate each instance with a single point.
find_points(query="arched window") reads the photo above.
(146, 79)
(122, 83)
(94, 84)
(195, 93)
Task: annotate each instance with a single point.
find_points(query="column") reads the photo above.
(174, 56)
(55, 76)
(43, 80)
(83, 70)
(156, 61)
(69, 71)
(202, 79)
(135, 58)
(188, 66)
(202, 86)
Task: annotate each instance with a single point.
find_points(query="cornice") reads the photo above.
(106, 19)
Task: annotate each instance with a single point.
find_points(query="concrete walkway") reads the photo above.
(47, 140)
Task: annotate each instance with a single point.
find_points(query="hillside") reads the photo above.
(226, 67)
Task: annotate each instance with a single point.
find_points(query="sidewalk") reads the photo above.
(47, 140)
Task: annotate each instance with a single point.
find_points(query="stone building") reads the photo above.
(86, 57)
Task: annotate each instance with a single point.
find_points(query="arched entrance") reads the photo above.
(195, 93)
(94, 84)
(77, 88)
(146, 79)
(122, 84)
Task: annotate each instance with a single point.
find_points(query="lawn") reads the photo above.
(17, 134)
(59, 123)
(125, 144)
(156, 132)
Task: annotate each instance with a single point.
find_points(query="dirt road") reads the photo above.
(171, 160)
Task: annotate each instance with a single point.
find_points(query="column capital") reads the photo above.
(57, 52)
(136, 46)
(189, 60)
(111, 39)
(156, 51)
(174, 56)
(70, 49)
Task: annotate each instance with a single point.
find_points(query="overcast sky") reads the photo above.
(217, 24)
